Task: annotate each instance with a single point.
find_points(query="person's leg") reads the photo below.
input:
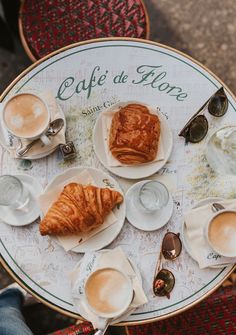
(6, 40)
(11, 318)
(11, 13)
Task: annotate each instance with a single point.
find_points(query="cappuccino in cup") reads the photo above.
(26, 116)
(221, 233)
(108, 292)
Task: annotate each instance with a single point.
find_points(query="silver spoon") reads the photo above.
(53, 129)
(102, 331)
(216, 207)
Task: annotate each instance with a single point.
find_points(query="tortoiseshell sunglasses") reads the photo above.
(196, 128)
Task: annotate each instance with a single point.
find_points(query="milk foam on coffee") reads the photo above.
(107, 291)
(26, 115)
(222, 233)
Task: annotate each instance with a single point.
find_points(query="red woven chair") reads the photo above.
(216, 315)
(84, 328)
(47, 25)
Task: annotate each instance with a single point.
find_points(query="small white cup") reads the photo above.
(222, 237)
(41, 105)
(108, 288)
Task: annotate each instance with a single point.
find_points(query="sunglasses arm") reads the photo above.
(158, 264)
(185, 128)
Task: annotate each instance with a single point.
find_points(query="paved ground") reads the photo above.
(203, 29)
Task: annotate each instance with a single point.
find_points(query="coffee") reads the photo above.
(26, 115)
(108, 291)
(222, 233)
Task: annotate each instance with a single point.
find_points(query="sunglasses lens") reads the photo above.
(171, 246)
(197, 129)
(163, 283)
(218, 104)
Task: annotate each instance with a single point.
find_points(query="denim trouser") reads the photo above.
(11, 318)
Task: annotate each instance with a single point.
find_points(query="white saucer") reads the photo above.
(83, 309)
(101, 179)
(134, 171)
(186, 241)
(21, 218)
(9, 142)
(146, 221)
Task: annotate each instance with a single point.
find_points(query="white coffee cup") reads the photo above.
(26, 116)
(108, 292)
(221, 232)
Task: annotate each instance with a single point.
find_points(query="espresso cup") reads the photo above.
(108, 292)
(26, 116)
(221, 232)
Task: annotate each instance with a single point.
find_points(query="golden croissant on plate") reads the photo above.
(134, 135)
(79, 208)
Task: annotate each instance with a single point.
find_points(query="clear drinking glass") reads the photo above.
(13, 194)
(221, 150)
(152, 196)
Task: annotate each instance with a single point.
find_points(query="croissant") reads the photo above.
(134, 135)
(79, 208)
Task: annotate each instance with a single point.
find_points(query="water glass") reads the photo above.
(221, 150)
(13, 194)
(152, 196)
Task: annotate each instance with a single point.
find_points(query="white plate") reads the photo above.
(186, 240)
(146, 221)
(83, 307)
(15, 142)
(101, 179)
(20, 218)
(137, 171)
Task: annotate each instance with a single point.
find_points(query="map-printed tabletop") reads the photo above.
(85, 79)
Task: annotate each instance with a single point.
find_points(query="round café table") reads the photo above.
(86, 78)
